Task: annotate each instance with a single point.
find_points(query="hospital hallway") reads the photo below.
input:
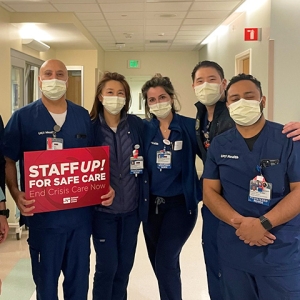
(17, 284)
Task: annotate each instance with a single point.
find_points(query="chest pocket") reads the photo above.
(277, 176)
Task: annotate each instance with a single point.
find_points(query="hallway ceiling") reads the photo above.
(123, 25)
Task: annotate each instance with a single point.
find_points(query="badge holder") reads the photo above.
(260, 190)
(54, 143)
(136, 162)
(163, 157)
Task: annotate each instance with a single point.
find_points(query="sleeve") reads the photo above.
(12, 138)
(211, 168)
(293, 169)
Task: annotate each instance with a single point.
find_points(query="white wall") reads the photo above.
(176, 65)
(224, 49)
(285, 25)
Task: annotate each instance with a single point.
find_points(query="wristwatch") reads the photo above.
(265, 222)
(4, 212)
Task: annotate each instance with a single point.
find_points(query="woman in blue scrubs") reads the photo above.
(170, 147)
(115, 227)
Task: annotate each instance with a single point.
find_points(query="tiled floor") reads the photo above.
(17, 283)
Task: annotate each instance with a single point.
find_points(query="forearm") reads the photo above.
(2, 205)
(286, 209)
(218, 205)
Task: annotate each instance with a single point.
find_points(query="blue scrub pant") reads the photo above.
(210, 251)
(165, 233)
(115, 239)
(242, 285)
(53, 250)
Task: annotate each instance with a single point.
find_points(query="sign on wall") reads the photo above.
(252, 34)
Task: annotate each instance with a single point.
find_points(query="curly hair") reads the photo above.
(159, 81)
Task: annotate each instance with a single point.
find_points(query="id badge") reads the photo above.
(54, 144)
(260, 191)
(136, 165)
(163, 159)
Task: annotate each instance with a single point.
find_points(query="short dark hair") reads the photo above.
(208, 64)
(244, 76)
(166, 84)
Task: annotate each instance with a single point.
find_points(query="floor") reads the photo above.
(18, 284)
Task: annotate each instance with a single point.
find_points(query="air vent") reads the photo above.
(158, 41)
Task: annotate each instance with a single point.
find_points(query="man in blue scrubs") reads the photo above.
(259, 232)
(60, 240)
(212, 119)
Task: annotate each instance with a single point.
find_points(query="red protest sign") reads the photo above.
(64, 179)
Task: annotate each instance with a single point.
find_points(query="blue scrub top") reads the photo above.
(167, 182)
(230, 161)
(27, 130)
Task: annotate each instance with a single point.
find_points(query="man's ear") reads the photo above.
(224, 84)
(263, 101)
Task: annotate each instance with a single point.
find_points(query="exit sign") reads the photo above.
(252, 34)
(133, 64)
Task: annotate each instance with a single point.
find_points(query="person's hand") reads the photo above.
(108, 198)
(3, 230)
(252, 232)
(25, 206)
(292, 129)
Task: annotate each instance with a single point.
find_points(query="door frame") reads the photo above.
(78, 68)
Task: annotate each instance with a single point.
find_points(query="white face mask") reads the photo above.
(245, 112)
(53, 89)
(113, 104)
(208, 93)
(160, 109)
